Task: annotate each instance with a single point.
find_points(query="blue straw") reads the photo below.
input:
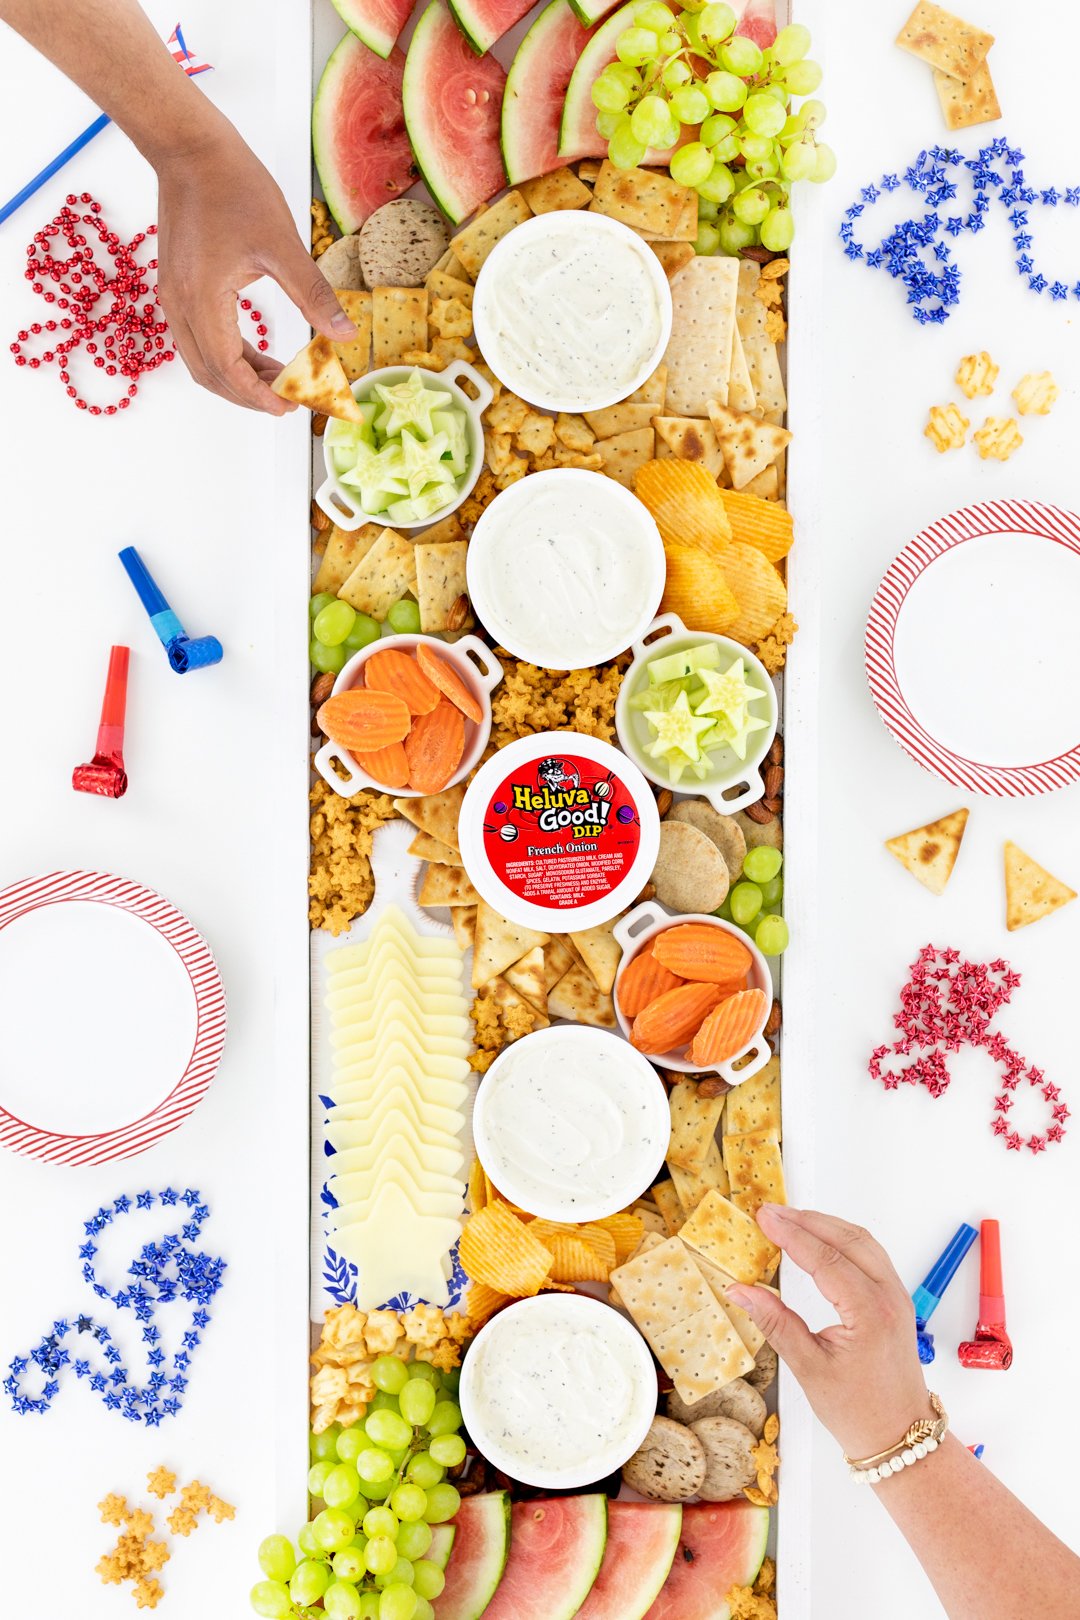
(52, 168)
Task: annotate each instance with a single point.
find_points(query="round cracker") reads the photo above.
(730, 1467)
(736, 1400)
(690, 873)
(669, 1466)
(724, 831)
(340, 264)
(758, 836)
(400, 242)
(763, 1373)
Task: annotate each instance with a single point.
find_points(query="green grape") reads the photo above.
(772, 892)
(383, 1401)
(424, 1471)
(745, 903)
(734, 234)
(373, 1465)
(328, 660)
(333, 623)
(387, 1429)
(325, 1444)
(446, 1418)
(637, 45)
(333, 1529)
(726, 91)
(450, 1380)
(321, 600)
(341, 1601)
(363, 632)
(691, 164)
(423, 1610)
(443, 1502)
(276, 1558)
(716, 22)
(376, 1490)
(626, 75)
(380, 1555)
(428, 1579)
(707, 239)
(317, 1475)
(763, 115)
(691, 22)
(793, 130)
(778, 229)
(348, 1564)
(271, 1598)
(724, 910)
(403, 617)
(607, 123)
(750, 206)
(610, 94)
(369, 1606)
(409, 1502)
(448, 1450)
(765, 169)
(350, 1444)
(671, 41)
(307, 1543)
(717, 128)
(798, 161)
(676, 73)
(649, 120)
(417, 1402)
(771, 937)
(718, 186)
(762, 863)
(824, 164)
(775, 91)
(397, 1602)
(741, 56)
(624, 150)
(803, 78)
(653, 15)
(309, 1582)
(791, 44)
(401, 1574)
(727, 150)
(813, 114)
(424, 1371)
(754, 147)
(707, 212)
(690, 105)
(380, 1521)
(414, 1539)
(341, 1487)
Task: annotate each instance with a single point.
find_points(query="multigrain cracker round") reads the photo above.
(724, 831)
(340, 264)
(768, 834)
(401, 242)
(763, 1373)
(690, 873)
(670, 1464)
(738, 1400)
(730, 1464)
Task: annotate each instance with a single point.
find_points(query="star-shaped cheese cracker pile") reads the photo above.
(135, 1557)
(341, 1385)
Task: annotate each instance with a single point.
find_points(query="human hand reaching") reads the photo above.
(222, 223)
(862, 1377)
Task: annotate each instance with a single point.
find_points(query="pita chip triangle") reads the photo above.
(1031, 892)
(316, 378)
(929, 853)
(749, 445)
(691, 438)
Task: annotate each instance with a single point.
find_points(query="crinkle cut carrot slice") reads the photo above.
(643, 980)
(673, 1018)
(700, 951)
(397, 671)
(729, 1027)
(365, 720)
(434, 747)
(387, 766)
(449, 682)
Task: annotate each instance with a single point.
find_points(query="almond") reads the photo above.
(458, 613)
(772, 1023)
(759, 813)
(776, 750)
(664, 801)
(321, 688)
(771, 805)
(319, 519)
(318, 425)
(774, 781)
(647, 893)
(713, 1086)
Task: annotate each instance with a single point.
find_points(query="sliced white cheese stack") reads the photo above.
(400, 1036)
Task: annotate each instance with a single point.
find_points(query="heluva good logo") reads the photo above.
(559, 834)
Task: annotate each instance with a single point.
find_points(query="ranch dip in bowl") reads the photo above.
(572, 311)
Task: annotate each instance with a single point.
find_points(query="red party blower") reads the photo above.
(105, 774)
(991, 1349)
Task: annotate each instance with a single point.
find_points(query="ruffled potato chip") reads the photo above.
(573, 1260)
(695, 588)
(481, 1303)
(759, 591)
(498, 1250)
(627, 1232)
(684, 500)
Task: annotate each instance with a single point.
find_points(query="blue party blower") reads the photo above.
(185, 652)
(927, 1297)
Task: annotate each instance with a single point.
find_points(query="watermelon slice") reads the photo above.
(484, 21)
(358, 134)
(722, 1545)
(578, 136)
(556, 1549)
(452, 100)
(443, 1537)
(536, 90)
(758, 21)
(642, 1540)
(482, 1536)
(377, 22)
(590, 11)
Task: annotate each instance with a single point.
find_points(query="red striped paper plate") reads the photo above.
(990, 518)
(56, 888)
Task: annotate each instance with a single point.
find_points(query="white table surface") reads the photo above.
(215, 818)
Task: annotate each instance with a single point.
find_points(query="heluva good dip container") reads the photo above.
(559, 831)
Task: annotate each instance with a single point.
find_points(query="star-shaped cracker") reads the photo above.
(148, 1593)
(139, 1523)
(182, 1521)
(161, 1483)
(113, 1509)
(220, 1510)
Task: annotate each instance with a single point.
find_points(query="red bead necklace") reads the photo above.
(103, 313)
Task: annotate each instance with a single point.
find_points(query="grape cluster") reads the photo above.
(364, 1556)
(754, 903)
(338, 631)
(689, 69)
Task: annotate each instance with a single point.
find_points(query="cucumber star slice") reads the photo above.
(423, 461)
(727, 694)
(677, 728)
(741, 736)
(409, 404)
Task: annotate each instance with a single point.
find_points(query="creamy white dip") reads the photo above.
(572, 1124)
(558, 1392)
(569, 315)
(565, 569)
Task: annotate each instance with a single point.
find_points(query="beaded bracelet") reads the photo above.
(923, 1437)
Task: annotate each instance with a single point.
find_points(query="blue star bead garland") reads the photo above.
(905, 252)
(161, 1272)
